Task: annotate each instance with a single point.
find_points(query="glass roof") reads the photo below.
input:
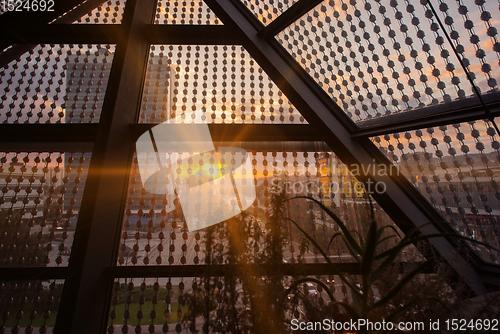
(224, 82)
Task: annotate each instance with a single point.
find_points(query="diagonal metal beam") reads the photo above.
(78, 11)
(288, 17)
(463, 110)
(404, 204)
(87, 291)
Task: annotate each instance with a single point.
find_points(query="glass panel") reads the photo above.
(29, 306)
(167, 305)
(155, 228)
(40, 200)
(211, 84)
(184, 12)
(247, 302)
(192, 304)
(267, 10)
(456, 167)
(56, 84)
(376, 59)
(109, 12)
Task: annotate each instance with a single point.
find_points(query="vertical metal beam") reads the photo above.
(87, 290)
(404, 204)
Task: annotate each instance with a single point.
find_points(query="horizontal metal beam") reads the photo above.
(190, 34)
(61, 137)
(11, 19)
(243, 132)
(60, 132)
(64, 34)
(221, 270)
(457, 111)
(79, 11)
(33, 273)
(87, 293)
(111, 34)
(288, 17)
(15, 52)
(81, 137)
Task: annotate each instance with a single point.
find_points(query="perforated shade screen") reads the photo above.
(40, 198)
(154, 230)
(456, 167)
(223, 82)
(375, 58)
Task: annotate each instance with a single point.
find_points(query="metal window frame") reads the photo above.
(91, 270)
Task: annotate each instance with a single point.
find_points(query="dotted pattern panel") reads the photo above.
(9, 6)
(174, 305)
(40, 200)
(56, 84)
(376, 58)
(184, 12)
(110, 12)
(154, 232)
(201, 304)
(457, 167)
(223, 82)
(29, 306)
(267, 10)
